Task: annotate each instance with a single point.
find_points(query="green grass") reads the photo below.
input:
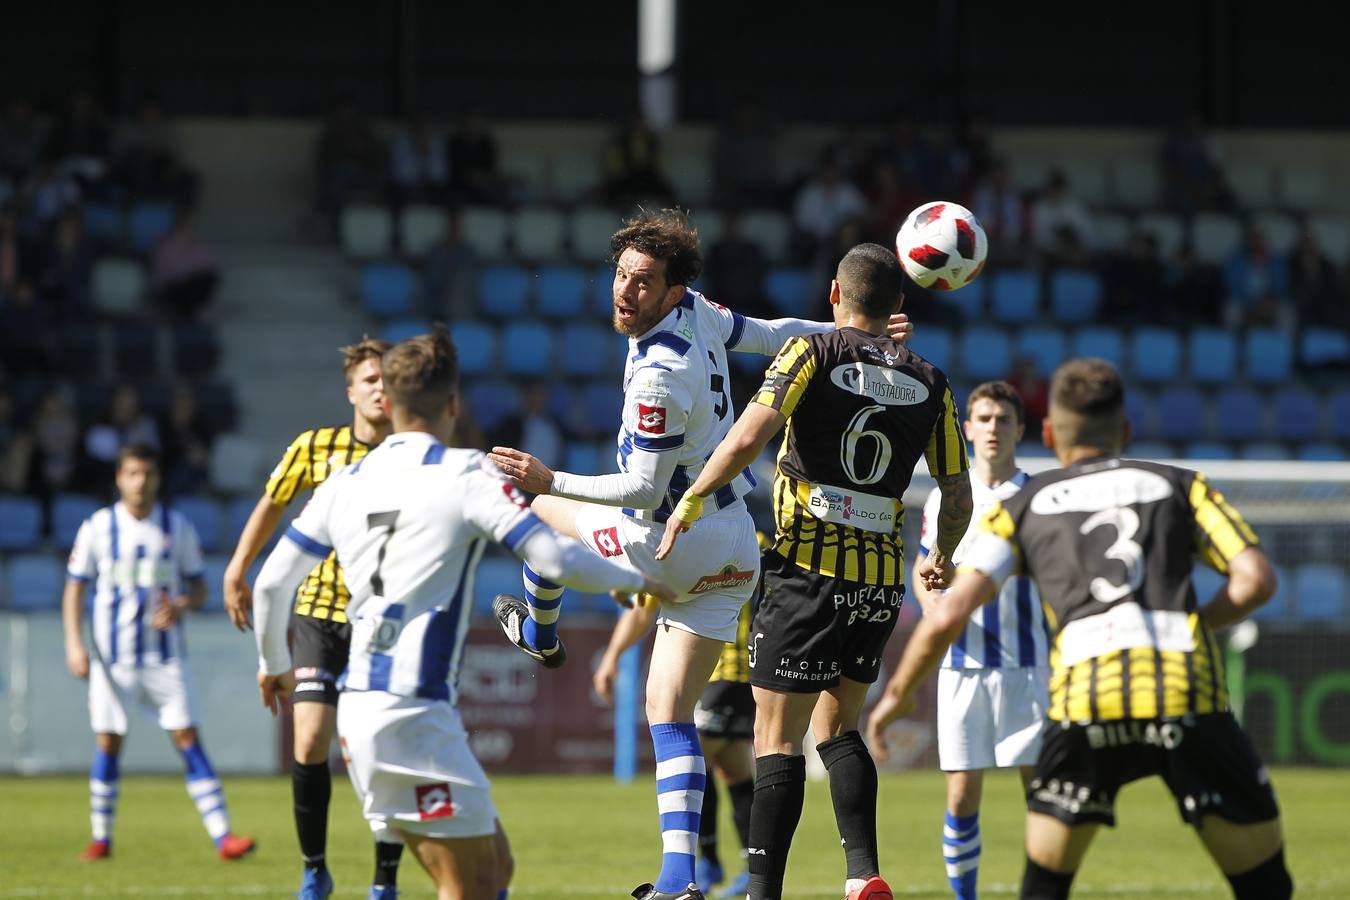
(589, 837)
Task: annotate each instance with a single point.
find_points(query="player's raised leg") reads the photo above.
(532, 625)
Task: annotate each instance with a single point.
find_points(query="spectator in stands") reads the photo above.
(1000, 208)
(122, 423)
(1315, 286)
(1061, 229)
(184, 269)
(55, 455)
(889, 200)
(47, 194)
(970, 157)
(419, 163)
(187, 445)
(634, 170)
(21, 139)
(536, 430)
(63, 270)
(823, 205)
(474, 176)
(1034, 390)
(1256, 284)
(1192, 176)
(145, 157)
(745, 170)
(79, 141)
(351, 162)
(1194, 290)
(449, 272)
(919, 162)
(15, 446)
(1135, 281)
(734, 269)
(25, 331)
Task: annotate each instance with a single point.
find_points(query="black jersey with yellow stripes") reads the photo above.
(734, 663)
(1111, 544)
(309, 460)
(861, 409)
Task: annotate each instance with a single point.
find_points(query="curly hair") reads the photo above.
(664, 234)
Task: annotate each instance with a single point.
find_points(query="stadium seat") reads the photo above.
(217, 406)
(237, 465)
(1075, 295)
(1321, 452)
(1139, 410)
(690, 172)
(206, 516)
(402, 328)
(1280, 230)
(237, 511)
(527, 349)
(105, 224)
(1046, 346)
(1265, 451)
(770, 229)
(387, 290)
(366, 231)
(1181, 414)
(1211, 355)
(591, 350)
(709, 224)
(933, 344)
(600, 292)
(135, 349)
(1154, 450)
(1267, 356)
(574, 172)
(118, 286)
(147, 225)
(560, 292)
(1253, 181)
(1319, 346)
(77, 349)
(477, 345)
(590, 232)
(1277, 608)
(20, 523)
(1214, 237)
(1155, 355)
(1320, 590)
(503, 291)
(1207, 450)
(68, 513)
(213, 576)
(1304, 185)
(1014, 295)
(486, 230)
(788, 288)
(1332, 231)
(35, 581)
(1339, 407)
(420, 227)
(1239, 414)
(539, 234)
(1106, 343)
(602, 406)
(491, 401)
(1134, 182)
(498, 573)
(968, 303)
(1297, 413)
(985, 353)
(1110, 231)
(1167, 228)
(582, 458)
(1206, 582)
(196, 349)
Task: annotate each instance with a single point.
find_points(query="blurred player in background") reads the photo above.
(408, 524)
(320, 629)
(1137, 685)
(993, 688)
(860, 411)
(675, 411)
(144, 562)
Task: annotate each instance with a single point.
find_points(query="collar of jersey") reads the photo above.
(406, 437)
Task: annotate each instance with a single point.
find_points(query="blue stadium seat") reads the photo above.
(1106, 343)
(1139, 409)
(503, 291)
(1239, 414)
(1263, 450)
(491, 401)
(387, 290)
(1321, 592)
(1155, 355)
(404, 327)
(582, 458)
(148, 224)
(1014, 295)
(1212, 354)
(600, 292)
(1277, 608)
(1046, 345)
(602, 407)
(1339, 404)
(1150, 450)
(560, 292)
(1204, 450)
(1323, 346)
(1181, 414)
(34, 581)
(213, 576)
(20, 523)
(933, 344)
(498, 573)
(206, 516)
(1268, 356)
(477, 346)
(788, 288)
(590, 349)
(1298, 414)
(1075, 295)
(1321, 452)
(1206, 582)
(527, 348)
(968, 302)
(985, 353)
(68, 513)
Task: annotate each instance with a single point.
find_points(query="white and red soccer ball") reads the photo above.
(942, 246)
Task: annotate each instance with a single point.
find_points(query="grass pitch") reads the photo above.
(584, 837)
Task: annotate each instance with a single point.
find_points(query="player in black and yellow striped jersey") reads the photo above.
(320, 634)
(1137, 683)
(860, 410)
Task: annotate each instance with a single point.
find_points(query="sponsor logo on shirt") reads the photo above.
(727, 579)
(607, 539)
(433, 801)
(866, 511)
(888, 387)
(651, 419)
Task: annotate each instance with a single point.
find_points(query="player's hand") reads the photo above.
(686, 513)
(167, 612)
(936, 571)
(900, 327)
(77, 659)
(603, 679)
(657, 590)
(523, 470)
(238, 600)
(889, 708)
(674, 528)
(274, 688)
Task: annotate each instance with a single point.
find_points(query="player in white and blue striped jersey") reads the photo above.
(993, 688)
(144, 563)
(408, 524)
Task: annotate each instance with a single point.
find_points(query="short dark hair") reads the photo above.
(871, 280)
(421, 373)
(142, 452)
(355, 354)
(1087, 403)
(1000, 392)
(665, 234)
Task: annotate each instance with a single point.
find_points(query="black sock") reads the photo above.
(853, 788)
(1268, 881)
(311, 789)
(742, 794)
(780, 789)
(1040, 883)
(707, 824)
(386, 863)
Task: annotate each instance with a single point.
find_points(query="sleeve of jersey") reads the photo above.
(286, 566)
(655, 413)
(993, 550)
(946, 450)
(788, 376)
(309, 530)
(496, 507)
(1220, 531)
(294, 473)
(81, 565)
(929, 522)
(766, 336)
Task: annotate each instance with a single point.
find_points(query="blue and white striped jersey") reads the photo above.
(132, 564)
(1007, 632)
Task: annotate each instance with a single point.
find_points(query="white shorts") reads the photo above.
(990, 718)
(410, 762)
(714, 567)
(160, 688)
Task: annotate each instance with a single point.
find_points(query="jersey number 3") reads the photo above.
(1126, 522)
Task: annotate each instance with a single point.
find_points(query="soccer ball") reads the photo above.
(942, 246)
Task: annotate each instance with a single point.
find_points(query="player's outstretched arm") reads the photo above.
(72, 614)
(262, 522)
(1251, 582)
(286, 566)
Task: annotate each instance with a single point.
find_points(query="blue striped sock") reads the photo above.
(543, 597)
(680, 778)
(103, 785)
(961, 852)
(206, 792)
